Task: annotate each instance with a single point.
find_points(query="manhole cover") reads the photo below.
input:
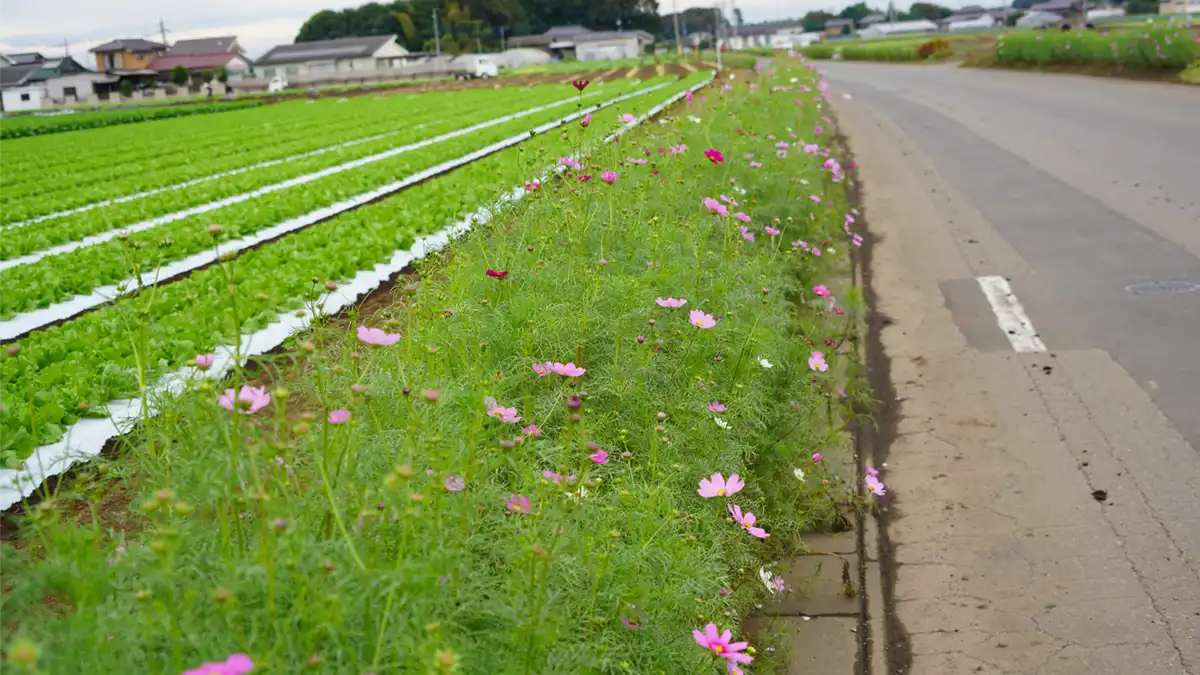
(1162, 287)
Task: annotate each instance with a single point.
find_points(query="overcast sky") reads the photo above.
(41, 25)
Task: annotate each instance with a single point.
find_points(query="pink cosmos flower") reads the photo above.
(377, 336)
(815, 198)
(816, 251)
(701, 320)
(205, 361)
(770, 230)
(714, 156)
(635, 160)
(742, 217)
(581, 84)
(817, 457)
(817, 362)
(720, 644)
(856, 239)
(717, 407)
(599, 457)
(872, 471)
(247, 401)
(627, 118)
(748, 155)
(236, 664)
(565, 369)
(821, 290)
(517, 504)
(584, 178)
(782, 145)
(587, 119)
(717, 486)
(532, 431)
(747, 234)
(715, 206)
(455, 483)
(569, 162)
(497, 274)
(755, 165)
(339, 416)
(818, 130)
(671, 303)
(557, 479)
(506, 415)
(747, 521)
(542, 369)
(875, 486)
(609, 177)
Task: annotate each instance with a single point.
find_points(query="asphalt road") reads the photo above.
(1046, 514)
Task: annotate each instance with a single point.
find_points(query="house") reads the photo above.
(899, 28)
(23, 59)
(587, 45)
(127, 55)
(1178, 7)
(30, 85)
(872, 18)
(839, 26)
(1039, 19)
(791, 38)
(203, 56)
(1063, 8)
(343, 58)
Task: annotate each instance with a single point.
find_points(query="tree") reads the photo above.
(856, 11)
(814, 22)
(222, 74)
(179, 76)
(1141, 7)
(126, 88)
(737, 17)
(932, 12)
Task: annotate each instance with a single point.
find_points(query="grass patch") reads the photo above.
(403, 522)
(1156, 50)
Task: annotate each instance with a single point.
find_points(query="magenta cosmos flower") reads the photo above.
(542, 369)
(609, 177)
(720, 645)
(817, 457)
(581, 84)
(497, 274)
(377, 336)
(506, 415)
(747, 234)
(717, 407)
(532, 431)
(821, 290)
(558, 479)
(587, 119)
(747, 520)
(701, 320)
(565, 369)
(517, 504)
(742, 217)
(717, 486)
(627, 118)
(817, 362)
(715, 206)
(599, 457)
(671, 303)
(339, 416)
(569, 162)
(205, 361)
(236, 664)
(455, 483)
(875, 486)
(247, 401)
(714, 156)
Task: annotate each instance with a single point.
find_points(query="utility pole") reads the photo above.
(501, 38)
(678, 44)
(717, 31)
(437, 41)
(162, 30)
(66, 49)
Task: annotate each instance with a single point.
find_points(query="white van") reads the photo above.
(277, 84)
(473, 66)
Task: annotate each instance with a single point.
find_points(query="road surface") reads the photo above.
(1046, 504)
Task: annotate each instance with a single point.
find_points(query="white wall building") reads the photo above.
(899, 28)
(28, 97)
(332, 59)
(978, 23)
(606, 45)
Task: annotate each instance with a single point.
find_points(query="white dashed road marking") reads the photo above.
(1010, 315)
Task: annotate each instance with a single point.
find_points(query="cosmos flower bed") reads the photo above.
(1137, 49)
(522, 462)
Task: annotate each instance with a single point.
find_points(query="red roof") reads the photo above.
(191, 61)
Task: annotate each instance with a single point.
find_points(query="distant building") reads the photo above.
(1063, 8)
(839, 27)
(34, 80)
(1036, 19)
(201, 56)
(1178, 7)
(127, 56)
(587, 45)
(899, 28)
(871, 19)
(981, 22)
(343, 58)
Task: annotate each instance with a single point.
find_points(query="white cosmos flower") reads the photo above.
(578, 495)
(768, 580)
(765, 363)
(695, 119)
(798, 473)
(721, 423)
